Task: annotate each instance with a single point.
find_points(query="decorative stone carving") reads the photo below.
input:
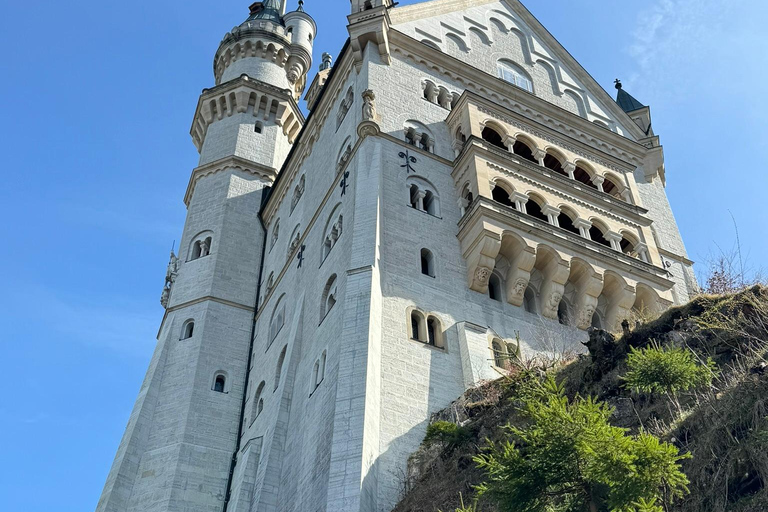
(520, 286)
(585, 317)
(165, 296)
(172, 270)
(553, 303)
(483, 274)
(369, 105)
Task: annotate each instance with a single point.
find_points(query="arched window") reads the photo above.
(466, 198)
(329, 297)
(523, 150)
(345, 153)
(297, 193)
(534, 209)
(596, 322)
(493, 137)
(429, 202)
(275, 233)
(597, 233)
(494, 287)
(565, 220)
(187, 330)
(279, 370)
(583, 176)
(427, 263)
(219, 383)
(258, 401)
(422, 196)
(417, 326)
(344, 107)
(529, 301)
(434, 332)
(499, 356)
(555, 163)
(295, 241)
(321, 371)
(417, 134)
(201, 246)
(515, 75)
(270, 282)
(278, 319)
(258, 127)
(334, 227)
(315, 376)
(502, 196)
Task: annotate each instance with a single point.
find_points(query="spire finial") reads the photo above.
(301, 6)
(618, 83)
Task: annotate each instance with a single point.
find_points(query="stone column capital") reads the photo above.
(582, 223)
(550, 210)
(519, 196)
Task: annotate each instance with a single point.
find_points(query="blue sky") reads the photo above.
(98, 99)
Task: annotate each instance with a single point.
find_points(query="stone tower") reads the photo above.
(177, 451)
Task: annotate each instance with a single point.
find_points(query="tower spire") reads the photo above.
(625, 100)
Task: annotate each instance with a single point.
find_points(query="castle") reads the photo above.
(462, 193)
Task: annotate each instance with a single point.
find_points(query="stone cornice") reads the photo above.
(561, 238)
(268, 174)
(288, 116)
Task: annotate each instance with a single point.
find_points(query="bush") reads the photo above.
(447, 433)
(570, 458)
(657, 369)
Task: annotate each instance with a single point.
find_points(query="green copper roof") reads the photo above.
(267, 10)
(625, 100)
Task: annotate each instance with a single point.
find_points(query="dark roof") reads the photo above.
(266, 10)
(625, 100)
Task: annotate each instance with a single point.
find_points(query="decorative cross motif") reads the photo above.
(408, 161)
(300, 256)
(344, 183)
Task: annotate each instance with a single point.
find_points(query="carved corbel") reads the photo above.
(519, 275)
(588, 287)
(618, 307)
(555, 274)
(482, 259)
(242, 100)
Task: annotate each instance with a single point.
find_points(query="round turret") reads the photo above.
(302, 30)
(268, 46)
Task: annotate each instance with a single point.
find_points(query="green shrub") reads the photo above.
(658, 369)
(447, 433)
(569, 458)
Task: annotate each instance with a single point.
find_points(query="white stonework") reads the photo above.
(305, 343)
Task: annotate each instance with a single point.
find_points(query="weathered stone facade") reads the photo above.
(341, 277)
